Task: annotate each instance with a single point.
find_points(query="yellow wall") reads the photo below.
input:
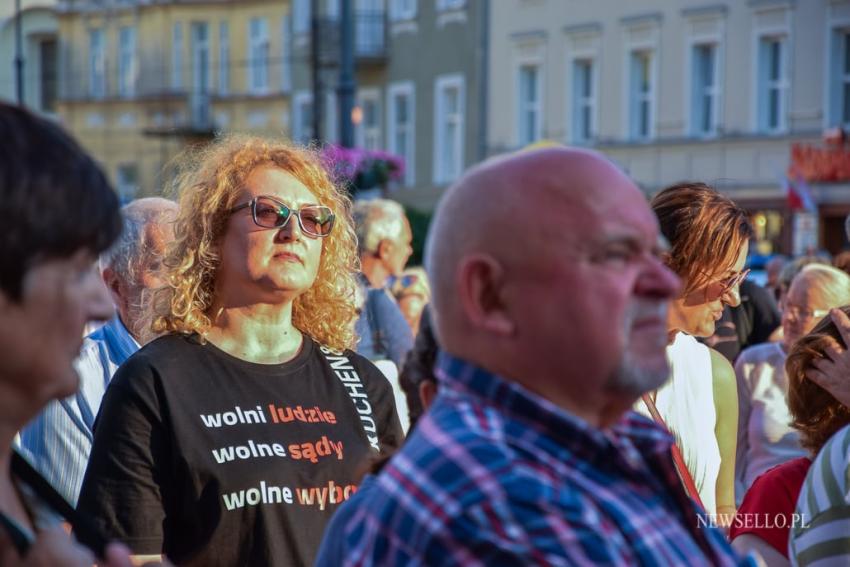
(129, 130)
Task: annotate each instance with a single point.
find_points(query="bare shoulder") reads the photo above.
(723, 376)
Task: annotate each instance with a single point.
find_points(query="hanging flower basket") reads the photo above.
(359, 170)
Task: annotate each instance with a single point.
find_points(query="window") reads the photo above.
(450, 4)
(402, 10)
(845, 79)
(840, 78)
(529, 111)
(704, 89)
(286, 55)
(97, 64)
(369, 28)
(449, 118)
(772, 84)
(258, 55)
(301, 15)
(332, 9)
(641, 95)
(47, 71)
(302, 123)
(177, 56)
(127, 61)
(368, 131)
(201, 80)
(127, 182)
(223, 58)
(584, 101)
(401, 122)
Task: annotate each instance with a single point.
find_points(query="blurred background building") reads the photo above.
(39, 32)
(141, 79)
(687, 90)
(752, 96)
(420, 74)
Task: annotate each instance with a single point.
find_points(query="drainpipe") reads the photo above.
(19, 54)
(483, 60)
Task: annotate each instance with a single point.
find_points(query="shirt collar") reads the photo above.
(118, 339)
(632, 435)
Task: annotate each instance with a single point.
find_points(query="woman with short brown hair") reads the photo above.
(708, 236)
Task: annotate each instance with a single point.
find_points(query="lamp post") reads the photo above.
(315, 66)
(19, 55)
(346, 75)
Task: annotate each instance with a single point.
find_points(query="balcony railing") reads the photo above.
(370, 38)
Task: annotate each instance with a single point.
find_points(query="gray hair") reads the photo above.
(124, 256)
(376, 220)
(834, 283)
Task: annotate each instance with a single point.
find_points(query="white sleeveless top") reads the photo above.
(686, 402)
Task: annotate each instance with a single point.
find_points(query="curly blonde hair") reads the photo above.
(208, 182)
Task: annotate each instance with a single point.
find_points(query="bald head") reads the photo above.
(504, 209)
(547, 271)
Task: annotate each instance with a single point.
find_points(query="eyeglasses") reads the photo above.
(314, 220)
(720, 288)
(405, 281)
(803, 314)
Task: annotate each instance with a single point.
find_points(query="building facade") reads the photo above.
(683, 90)
(39, 50)
(142, 79)
(421, 87)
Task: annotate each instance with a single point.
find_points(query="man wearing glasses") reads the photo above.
(550, 306)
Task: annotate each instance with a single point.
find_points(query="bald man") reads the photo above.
(59, 440)
(550, 304)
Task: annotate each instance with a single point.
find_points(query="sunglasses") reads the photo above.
(267, 212)
(722, 287)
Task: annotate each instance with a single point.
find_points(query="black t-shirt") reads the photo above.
(213, 460)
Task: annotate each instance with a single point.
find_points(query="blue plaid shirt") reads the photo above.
(58, 441)
(495, 475)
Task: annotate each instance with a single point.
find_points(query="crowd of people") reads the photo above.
(251, 374)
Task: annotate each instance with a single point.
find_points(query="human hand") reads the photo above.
(51, 547)
(119, 555)
(832, 373)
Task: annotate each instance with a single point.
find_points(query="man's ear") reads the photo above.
(427, 391)
(383, 249)
(114, 284)
(480, 292)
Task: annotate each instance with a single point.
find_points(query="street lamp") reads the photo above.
(19, 55)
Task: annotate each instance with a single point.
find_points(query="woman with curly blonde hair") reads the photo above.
(233, 438)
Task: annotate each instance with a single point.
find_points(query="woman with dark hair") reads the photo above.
(708, 236)
(57, 213)
(817, 416)
(232, 439)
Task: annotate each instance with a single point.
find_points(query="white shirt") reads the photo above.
(686, 402)
(765, 438)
